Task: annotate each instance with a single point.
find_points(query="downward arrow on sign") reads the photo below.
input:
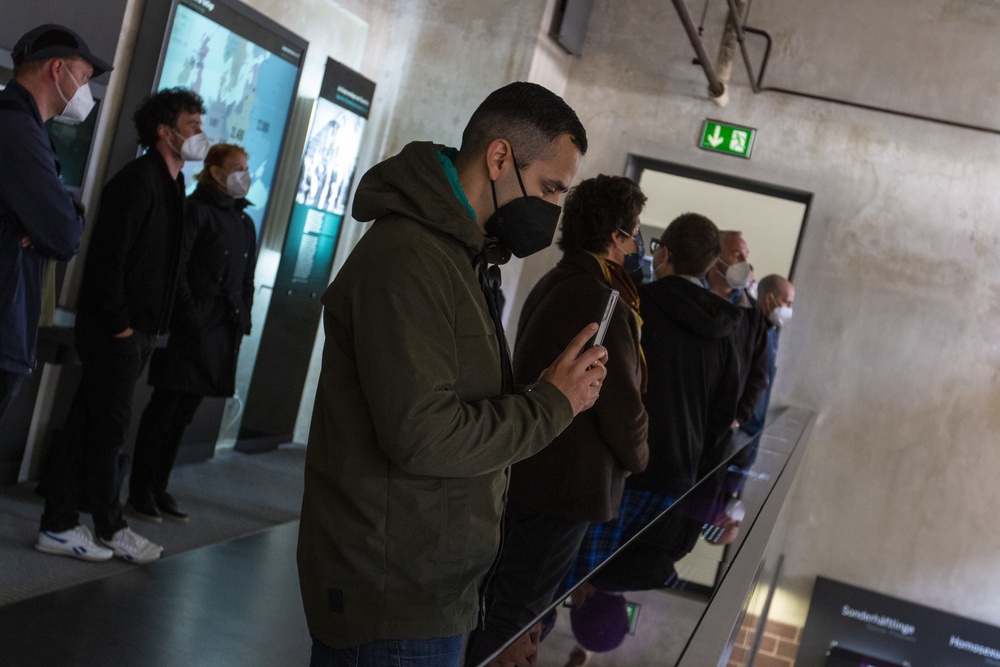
(716, 138)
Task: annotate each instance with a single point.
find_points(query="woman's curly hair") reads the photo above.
(596, 208)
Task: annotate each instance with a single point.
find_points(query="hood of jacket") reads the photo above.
(692, 308)
(414, 184)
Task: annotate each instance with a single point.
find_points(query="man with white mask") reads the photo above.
(730, 279)
(126, 297)
(775, 297)
(39, 219)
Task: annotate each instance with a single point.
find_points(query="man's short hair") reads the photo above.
(596, 208)
(28, 68)
(693, 243)
(527, 115)
(163, 108)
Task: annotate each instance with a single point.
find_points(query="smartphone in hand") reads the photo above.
(603, 318)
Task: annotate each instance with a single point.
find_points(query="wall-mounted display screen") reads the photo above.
(331, 155)
(332, 151)
(247, 74)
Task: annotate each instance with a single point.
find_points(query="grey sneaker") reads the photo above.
(76, 542)
(133, 547)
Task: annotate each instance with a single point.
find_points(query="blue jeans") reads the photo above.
(438, 652)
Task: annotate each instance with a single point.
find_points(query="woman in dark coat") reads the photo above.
(211, 315)
(579, 478)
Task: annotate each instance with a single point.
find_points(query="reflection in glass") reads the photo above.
(643, 605)
(576, 482)
(771, 218)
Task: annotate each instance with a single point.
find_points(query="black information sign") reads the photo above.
(331, 155)
(849, 626)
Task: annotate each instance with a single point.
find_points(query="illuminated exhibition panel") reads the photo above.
(328, 164)
(247, 68)
(246, 71)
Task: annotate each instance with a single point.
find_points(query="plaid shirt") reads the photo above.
(638, 510)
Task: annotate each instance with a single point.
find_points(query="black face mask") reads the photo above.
(525, 224)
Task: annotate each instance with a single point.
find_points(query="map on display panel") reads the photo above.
(247, 78)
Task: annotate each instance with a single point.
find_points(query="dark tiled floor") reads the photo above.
(229, 496)
(225, 592)
(232, 603)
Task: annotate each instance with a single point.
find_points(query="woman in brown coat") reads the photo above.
(580, 476)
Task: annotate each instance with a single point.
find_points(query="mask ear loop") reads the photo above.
(493, 189)
(174, 131)
(620, 232)
(517, 172)
(62, 95)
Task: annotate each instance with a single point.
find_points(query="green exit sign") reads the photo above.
(725, 138)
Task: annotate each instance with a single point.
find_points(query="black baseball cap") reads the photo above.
(55, 41)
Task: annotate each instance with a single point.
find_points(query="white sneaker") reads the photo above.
(76, 542)
(133, 547)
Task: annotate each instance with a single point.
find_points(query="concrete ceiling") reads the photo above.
(937, 58)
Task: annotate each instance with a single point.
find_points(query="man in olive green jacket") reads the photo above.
(416, 418)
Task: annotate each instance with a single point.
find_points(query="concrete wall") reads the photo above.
(893, 338)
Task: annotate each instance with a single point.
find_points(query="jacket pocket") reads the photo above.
(458, 519)
(472, 321)
(477, 355)
(430, 523)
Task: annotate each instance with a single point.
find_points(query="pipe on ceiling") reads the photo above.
(756, 83)
(727, 52)
(718, 86)
(715, 86)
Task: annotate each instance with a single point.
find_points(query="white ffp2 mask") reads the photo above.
(194, 148)
(80, 105)
(238, 184)
(738, 275)
(779, 316)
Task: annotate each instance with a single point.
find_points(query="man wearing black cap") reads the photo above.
(38, 217)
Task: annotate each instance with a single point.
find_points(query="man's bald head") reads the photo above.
(774, 291)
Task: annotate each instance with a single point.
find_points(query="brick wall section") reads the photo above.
(778, 647)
